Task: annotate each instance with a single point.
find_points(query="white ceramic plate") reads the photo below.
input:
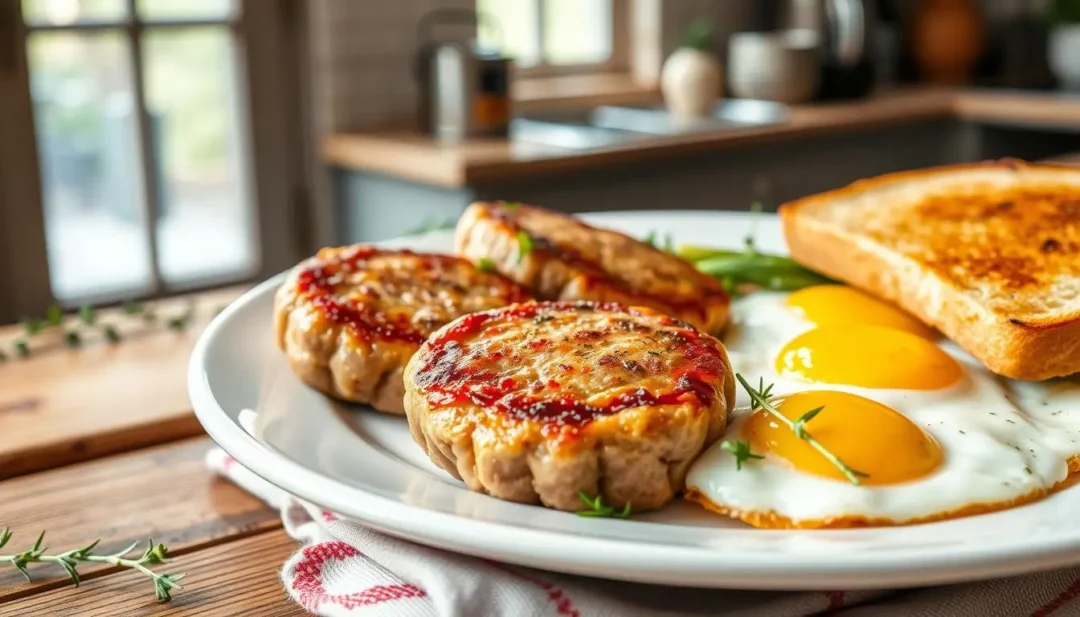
(365, 465)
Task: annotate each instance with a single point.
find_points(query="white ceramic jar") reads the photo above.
(690, 81)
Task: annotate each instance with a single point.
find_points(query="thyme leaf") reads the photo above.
(741, 451)
(759, 399)
(595, 507)
(154, 554)
(525, 244)
(485, 265)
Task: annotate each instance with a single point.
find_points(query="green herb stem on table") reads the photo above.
(74, 329)
(154, 554)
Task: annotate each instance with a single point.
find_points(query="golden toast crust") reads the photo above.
(988, 253)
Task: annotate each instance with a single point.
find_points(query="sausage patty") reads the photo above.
(561, 258)
(351, 317)
(537, 402)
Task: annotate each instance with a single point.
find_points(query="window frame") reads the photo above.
(267, 35)
(617, 62)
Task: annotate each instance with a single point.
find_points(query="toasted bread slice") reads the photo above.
(987, 253)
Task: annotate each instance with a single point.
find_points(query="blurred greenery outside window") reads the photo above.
(81, 82)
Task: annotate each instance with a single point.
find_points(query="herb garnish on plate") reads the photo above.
(597, 508)
(759, 399)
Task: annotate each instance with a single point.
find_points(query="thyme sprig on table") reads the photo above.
(598, 509)
(759, 399)
(154, 554)
(74, 329)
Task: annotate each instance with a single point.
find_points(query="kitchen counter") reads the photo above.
(415, 158)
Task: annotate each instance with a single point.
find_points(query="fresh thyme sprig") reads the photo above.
(86, 320)
(597, 507)
(760, 399)
(741, 451)
(153, 555)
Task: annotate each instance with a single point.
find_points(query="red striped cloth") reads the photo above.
(346, 570)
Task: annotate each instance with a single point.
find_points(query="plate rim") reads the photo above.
(609, 558)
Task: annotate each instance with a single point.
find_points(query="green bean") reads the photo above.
(746, 261)
(777, 277)
(691, 252)
(795, 281)
(748, 268)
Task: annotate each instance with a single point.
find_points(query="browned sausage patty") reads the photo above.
(350, 318)
(536, 402)
(561, 258)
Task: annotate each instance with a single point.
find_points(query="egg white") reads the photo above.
(1054, 405)
(993, 451)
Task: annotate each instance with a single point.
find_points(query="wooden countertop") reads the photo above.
(417, 158)
(100, 442)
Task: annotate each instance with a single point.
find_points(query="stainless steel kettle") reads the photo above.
(464, 90)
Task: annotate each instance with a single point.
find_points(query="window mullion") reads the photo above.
(541, 56)
(144, 133)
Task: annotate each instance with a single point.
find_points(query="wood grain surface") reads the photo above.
(64, 405)
(122, 412)
(415, 157)
(235, 579)
(164, 492)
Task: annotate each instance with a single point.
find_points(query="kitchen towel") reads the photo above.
(343, 569)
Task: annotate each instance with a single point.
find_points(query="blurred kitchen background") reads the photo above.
(155, 146)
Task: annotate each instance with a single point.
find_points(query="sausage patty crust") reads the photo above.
(537, 402)
(561, 258)
(351, 317)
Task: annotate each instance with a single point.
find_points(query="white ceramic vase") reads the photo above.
(1064, 55)
(690, 82)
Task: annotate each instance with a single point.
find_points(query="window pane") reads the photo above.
(511, 27)
(181, 9)
(206, 227)
(62, 12)
(91, 180)
(577, 31)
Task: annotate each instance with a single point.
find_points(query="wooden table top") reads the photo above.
(100, 442)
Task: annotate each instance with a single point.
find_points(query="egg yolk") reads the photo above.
(867, 356)
(864, 434)
(827, 305)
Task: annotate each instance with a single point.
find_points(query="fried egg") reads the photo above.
(932, 433)
(1054, 405)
